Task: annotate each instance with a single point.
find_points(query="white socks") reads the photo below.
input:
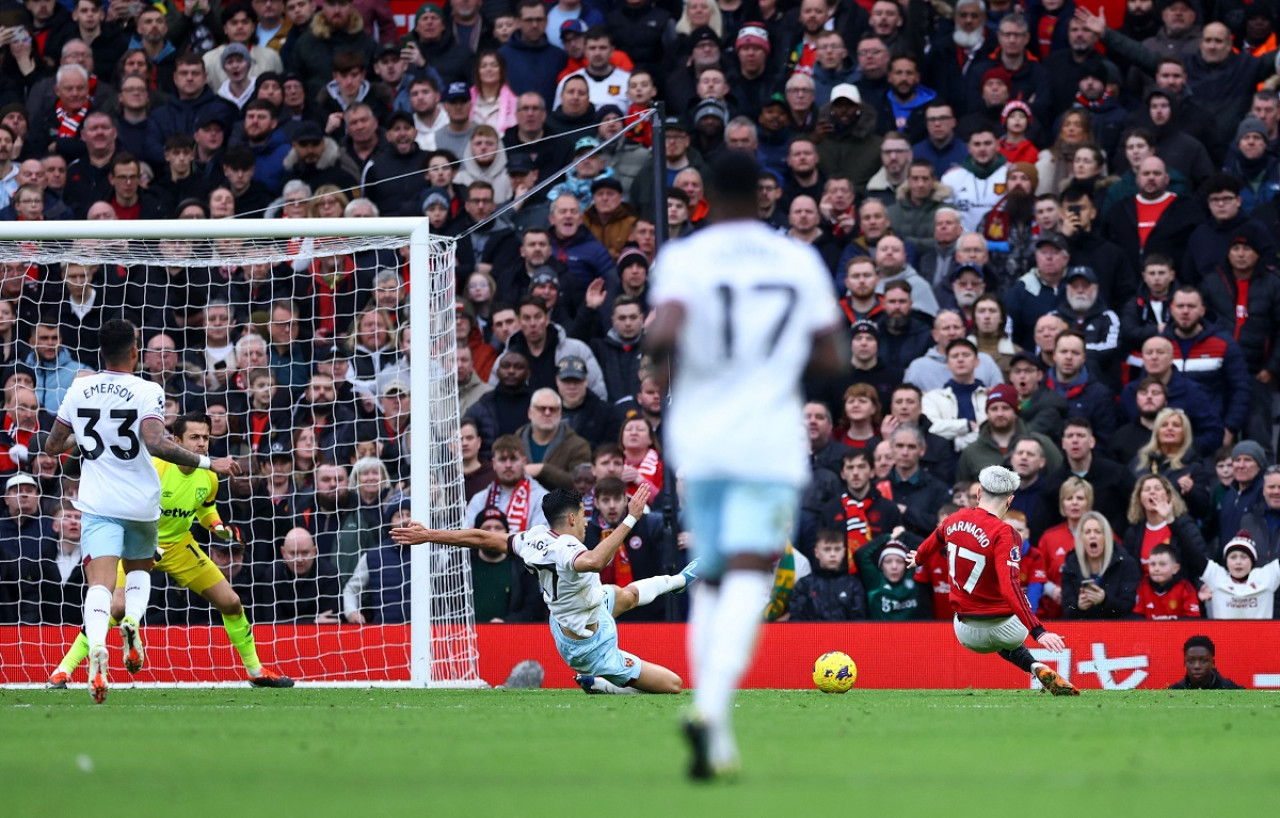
(702, 609)
(605, 686)
(97, 615)
(724, 651)
(651, 588)
(137, 592)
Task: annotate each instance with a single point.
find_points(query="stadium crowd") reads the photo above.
(1054, 241)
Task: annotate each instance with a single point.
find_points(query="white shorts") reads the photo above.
(113, 537)
(728, 517)
(991, 635)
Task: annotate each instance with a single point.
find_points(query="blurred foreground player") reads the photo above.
(743, 311)
(983, 552)
(582, 607)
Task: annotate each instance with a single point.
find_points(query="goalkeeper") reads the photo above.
(187, 494)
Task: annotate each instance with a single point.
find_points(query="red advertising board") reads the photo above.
(1110, 656)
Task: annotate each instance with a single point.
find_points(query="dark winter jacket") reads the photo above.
(828, 596)
(534, 67)
(1183, 393)
(1169, 237)
(1119, 580)
(1257, 336)
(1214, 360)
(1207, 249)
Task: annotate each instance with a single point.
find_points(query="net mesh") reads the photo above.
(299, 351)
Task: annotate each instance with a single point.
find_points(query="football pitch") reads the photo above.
(319, 752)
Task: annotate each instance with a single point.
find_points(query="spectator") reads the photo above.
(825, 452)
(503, 410)
(361, 529)
(378, 591)
(975, 181)
(1075, 498)
(1171, 453)
(1149, 398)
(1180, 392)
(303, 585)
(60, 595)
(916, 492)
(512, 491)
(1086, 396)
(1198, 652)
(998, 435)
(1245, 494)
(477, 471)
(1147, 313)
(904, 336)
(1247, 288)
(544, 345)
(1158, 517)
(642, 461)
(1211, 241)
(24, 528)
(930, 371)
(321, 510)
(552, 448)
(239, 26)
(860, 511)
(533, 62)
(1099, 581)
(832, 593)
(1165, 594)
(1087, 248)
(1040, 290)
(892, 594)
(861, 416)
(869, 368)
(337, 27)
(1219, 364)
(1246, 587)
(503, 589)
(1030, 461)
(1166, 221)
(52, 363)
(584, 258)
(23, 421)
(87, 180)
(958, 408)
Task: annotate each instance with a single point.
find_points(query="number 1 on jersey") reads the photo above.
(979, 562)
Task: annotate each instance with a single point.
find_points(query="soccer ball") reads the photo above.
(834, 672)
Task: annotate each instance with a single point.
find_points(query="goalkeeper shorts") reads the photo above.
(187, 563)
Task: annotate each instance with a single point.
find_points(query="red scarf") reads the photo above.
(857, 526)
(650, 470)
(517, 507)
(69, 123)
(618, 571)
(1094, 104)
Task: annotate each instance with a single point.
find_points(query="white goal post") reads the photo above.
(435, 614)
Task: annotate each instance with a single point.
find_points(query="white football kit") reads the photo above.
(105, 411)
(1252, 599)
(753, 301)
(581, 606)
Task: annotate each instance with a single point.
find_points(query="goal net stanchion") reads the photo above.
(333, 302)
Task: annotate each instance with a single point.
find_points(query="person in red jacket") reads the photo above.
(992, 614)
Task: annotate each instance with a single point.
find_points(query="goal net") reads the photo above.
(294, 339)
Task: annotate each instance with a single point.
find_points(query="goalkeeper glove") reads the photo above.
(227, 532)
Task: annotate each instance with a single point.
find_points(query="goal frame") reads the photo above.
(418, 233)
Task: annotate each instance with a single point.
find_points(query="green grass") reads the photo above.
(366, 753)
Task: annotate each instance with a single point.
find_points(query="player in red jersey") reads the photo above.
(992, 614)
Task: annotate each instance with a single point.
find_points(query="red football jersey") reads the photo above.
(985, 557)
(1178, 602)
(936, 574)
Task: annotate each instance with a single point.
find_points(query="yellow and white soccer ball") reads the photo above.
(834, 672)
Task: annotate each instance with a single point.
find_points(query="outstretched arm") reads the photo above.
(595, 560)
(416, 533)
(159, 445)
